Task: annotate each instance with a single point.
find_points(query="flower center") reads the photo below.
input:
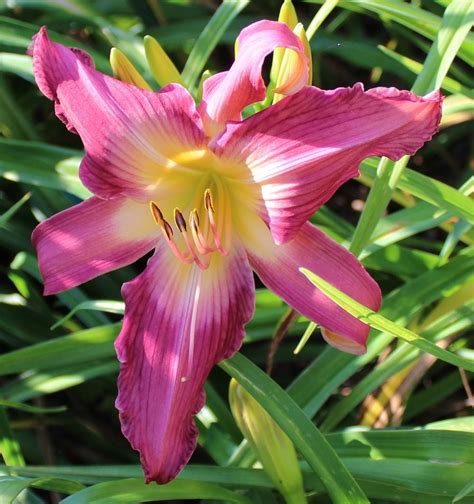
(195, 239)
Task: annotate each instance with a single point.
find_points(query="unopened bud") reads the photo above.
(291, 63)
(272, 446)
(161, 66)
(124, 70)
(289, 17)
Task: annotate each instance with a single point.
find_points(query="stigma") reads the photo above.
(192, 240)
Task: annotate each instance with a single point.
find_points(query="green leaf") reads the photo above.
(428, 189)
(16, 35)
(465, 491)
(9, 446)
(332, 367)
(30, 409)
(403, 224)
(415, 68)
(35, 384)
(41, 165)
(18, 64)
(442, 52)
(451, 323)
(452, 39)
(419, 20)
(82, 346)
(209, 38)
(437, 193)
(339, 483)
(6, 216)
(104, 305)
(11, 487)
(226, 476)
(381, 323)
(135, 490)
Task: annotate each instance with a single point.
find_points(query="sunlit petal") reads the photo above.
(277, 266)
(131, 135)
(304, 147)
(227, 93)
(90, 239)
(179, 321)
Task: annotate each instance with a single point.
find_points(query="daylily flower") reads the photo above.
(216, 197)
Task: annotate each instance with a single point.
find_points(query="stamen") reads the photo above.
(180, 221)
(202, 264)
(167, 231)
(156, 213)
(210, 214)
(186, 258)
(197, 241)
(198, 237)
(208, 202)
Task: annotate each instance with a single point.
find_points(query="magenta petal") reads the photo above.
(131, 135)
(277, 266)
(303, 148)
(179, 321)
(90, 239)
(227, 93)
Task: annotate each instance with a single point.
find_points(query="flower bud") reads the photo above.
(289, 67)
(271, 445)
(289, 17)
(161, 66)
(124, 70)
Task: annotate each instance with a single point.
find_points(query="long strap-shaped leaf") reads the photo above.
(338, 481)
(135, 490)
(415, 18)
(381, 323)
(209, 38)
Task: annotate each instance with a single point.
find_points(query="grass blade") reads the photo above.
(383, 324)
(209, 38)
(339, 483)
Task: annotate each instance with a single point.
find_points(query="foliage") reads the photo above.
(59, 433)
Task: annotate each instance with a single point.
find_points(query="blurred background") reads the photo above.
(58, 375)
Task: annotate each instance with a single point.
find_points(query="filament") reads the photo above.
(199, 241)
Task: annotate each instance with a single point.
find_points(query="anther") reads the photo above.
(180, 221)
(156, 213)
(167, 229)
(208, 203)
(195, 217)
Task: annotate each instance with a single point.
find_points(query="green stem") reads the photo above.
(319, 18)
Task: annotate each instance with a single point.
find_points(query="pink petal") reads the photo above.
(304, 147)
(277, 266)
(131, 135)
(179, 321)
(227, 93)
(90, 239)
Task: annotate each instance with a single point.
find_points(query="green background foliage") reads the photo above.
(393, 425)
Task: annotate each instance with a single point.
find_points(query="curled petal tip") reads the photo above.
(342, 343)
